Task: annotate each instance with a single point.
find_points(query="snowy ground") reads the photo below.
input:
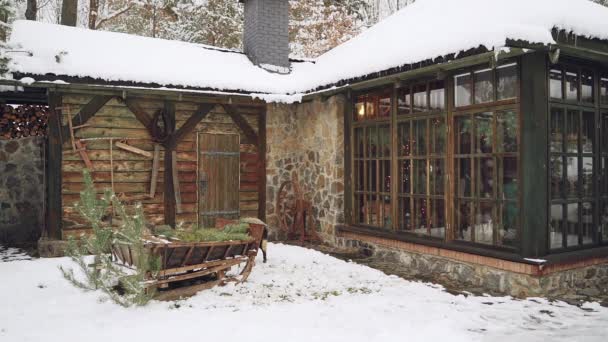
(299, 295)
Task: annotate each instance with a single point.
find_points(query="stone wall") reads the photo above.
(307, 139)
(21, 190)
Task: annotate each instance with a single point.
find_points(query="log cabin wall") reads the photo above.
(133, 172)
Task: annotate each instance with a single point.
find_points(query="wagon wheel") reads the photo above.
(286, 206)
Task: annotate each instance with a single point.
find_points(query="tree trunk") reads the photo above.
(31, 11)
(93, 13)
(69, 10)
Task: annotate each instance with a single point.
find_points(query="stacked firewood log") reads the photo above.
(22, 121)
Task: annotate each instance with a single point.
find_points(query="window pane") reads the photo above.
(587, 177)
(438, 218)
(484, 90)
(421, 225)
(507, 131)
(385, 166)
(405, 148)
(438, 136)
(556, 226)
(420, 176)
(485, 177)
(571, 85)
(604, 177)
(485, 132)
(372, 142)
(571, 224)
(557, 130)
(604, 89)
(604, 133)
(604, 220)
(384, 137)
(507, 82)
(359, 175)
(587, 226)
(464, 177)
(420, 102)
(509, 183)
(384, 106)
(464, 134)
(405, 217)
(509, 225)
(437, 95)
(404, 170)
(419, 143)
(572, 177)
(360, 109)
(557, 177)
(572, 128)
(555, 83)
(464, 220)
(373, 208)
(370, 108)
(462, 84)
(588, 132)
(484, 223)
(436, 173)
(587, 86)
(385, 211)
(405, 101)
(372, 176)
(359, 142)
(360, 207)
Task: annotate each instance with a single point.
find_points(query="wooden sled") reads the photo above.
(187, 268)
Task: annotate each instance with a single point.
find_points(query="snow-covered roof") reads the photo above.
(423, 30)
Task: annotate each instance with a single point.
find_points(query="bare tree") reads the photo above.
(69, 12)
(31, 10)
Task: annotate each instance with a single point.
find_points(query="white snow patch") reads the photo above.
(299, 295)
(27, 80)
(12, 254)
(538, 261)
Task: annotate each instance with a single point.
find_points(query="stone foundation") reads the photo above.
(21, 190)
(585, 280)
(307, 139)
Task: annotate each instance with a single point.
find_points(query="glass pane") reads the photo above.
(485, 177)
(571, 85)
(437, 220)
(386, 175)
(437, 95)
(604, 220)
(572, 177)
(384, 106)
(484, 133)
(462, 84)
(506, 126)
(587, 177)
(571, 224)
(372, 142)
(555, 83)
(419, 143)
(373, 208)
(464, 177)
(557, 130)
(404, 171)
(405, 217)
(405, 148)
(509, 184)
(587, 226)
(360, 214)
(360, 109)
(420, 103)
(604, 177)
(421, 225)
(572, 128)
(588, 132)
(587, 86)
(464, 134)
(464, 221)
(372, 176)
(484, 223)
(557, 177)
(420, 176)
(359, 142)
(507, 82)
(438, 136)
(604, 89)
(384, 137)
(405, 101)
(509, 226)
(484, 90)
(370, 108)
(359, 175)
(556, 226)
(604, 134)
(436, 173)
(385, 211)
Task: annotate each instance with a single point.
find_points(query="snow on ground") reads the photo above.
(12, 254)
(299, 295)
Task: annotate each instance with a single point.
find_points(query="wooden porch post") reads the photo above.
(54, 155)
(262, 165)
(169, 191)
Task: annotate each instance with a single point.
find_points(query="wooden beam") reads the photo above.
(169, 193)
(134, 149)
(155, 167)
(53, 172)
(190, 124)
(262, 166)
(86, 112)
(139, 113)
(240, 121)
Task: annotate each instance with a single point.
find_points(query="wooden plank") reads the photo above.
(261, 174)
(139, 113)
(83, 154)
(86, 112)
(155, 170)
(183, 292)
(169, 187)
(175, 175)
(190, 124)
(133, 149)
(53, 171)
(243, 125)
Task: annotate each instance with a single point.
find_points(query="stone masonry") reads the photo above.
(21, 190)
(266, 32)
(307, 139)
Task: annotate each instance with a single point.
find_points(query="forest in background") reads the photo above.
(315, 26)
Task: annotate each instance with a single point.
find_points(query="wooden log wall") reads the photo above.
(132, 172)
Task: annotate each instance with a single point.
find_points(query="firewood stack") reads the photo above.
(22, 121)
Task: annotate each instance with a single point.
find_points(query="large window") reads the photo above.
(421, 141)
(577, 162)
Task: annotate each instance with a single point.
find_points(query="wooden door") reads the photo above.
(218, 177)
